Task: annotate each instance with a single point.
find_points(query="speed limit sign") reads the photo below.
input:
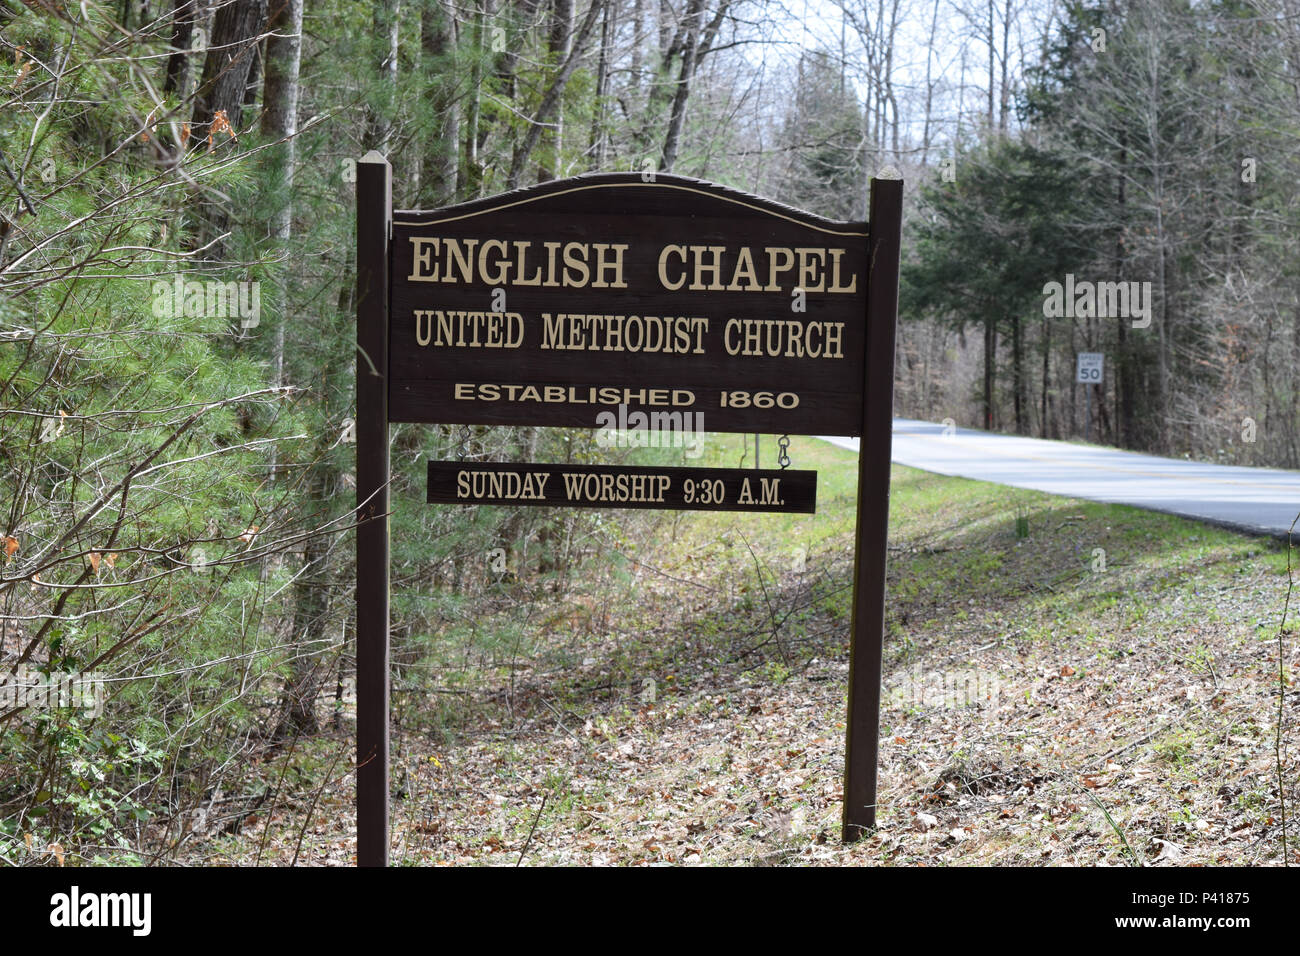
(1090, 367)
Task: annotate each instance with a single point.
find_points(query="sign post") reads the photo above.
(1089, 372)
(653, 303)
(866, 648)
(374, 222)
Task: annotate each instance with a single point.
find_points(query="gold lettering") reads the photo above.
(422, 259)
(733, 325)
(680, 252)
(576, 331)
(575, 257)
(794, 344)
(423, 327)
(602, 266)
(551, 249)
(745, 268)
(553, 330)
(835, 274)
(834, 340)
(521, 249)
(814, 351)
(773, 269)
(465, 260)
(502, 275)
(714, 268)
(812, 265)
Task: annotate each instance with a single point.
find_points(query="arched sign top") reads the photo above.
(633, 193)
(562, 302)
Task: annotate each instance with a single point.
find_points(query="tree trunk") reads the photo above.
(638, 21)
(437, 35)
(558, 38)
(178, 61)
(1018, 372)
(283, 58)
(992, 73)
(310, 607)
(379, 121)
(551, 100)
(599, 139)
(1047, 354)
(231, 51)
(990, 357)
(929, 86)
(1004, 101)
(1126, 380)
(280, 122)
(222, 89)
(677, 115)
(1104, 434)
(471, 175)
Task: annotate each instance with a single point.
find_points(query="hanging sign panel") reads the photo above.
(551, 305)
(618, 486)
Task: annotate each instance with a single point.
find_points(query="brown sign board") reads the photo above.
(642, 297)
(622, 486)
(552, 304)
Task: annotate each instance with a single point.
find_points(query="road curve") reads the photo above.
(1256, 500)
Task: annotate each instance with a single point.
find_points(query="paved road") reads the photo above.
(1257, 500)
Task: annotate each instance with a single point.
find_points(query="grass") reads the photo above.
(1066, 682)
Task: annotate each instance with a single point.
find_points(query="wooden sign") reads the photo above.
(620, 486)
(548, 305)
(623, 297)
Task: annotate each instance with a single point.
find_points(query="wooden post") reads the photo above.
(374, 227)
(862, 740)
